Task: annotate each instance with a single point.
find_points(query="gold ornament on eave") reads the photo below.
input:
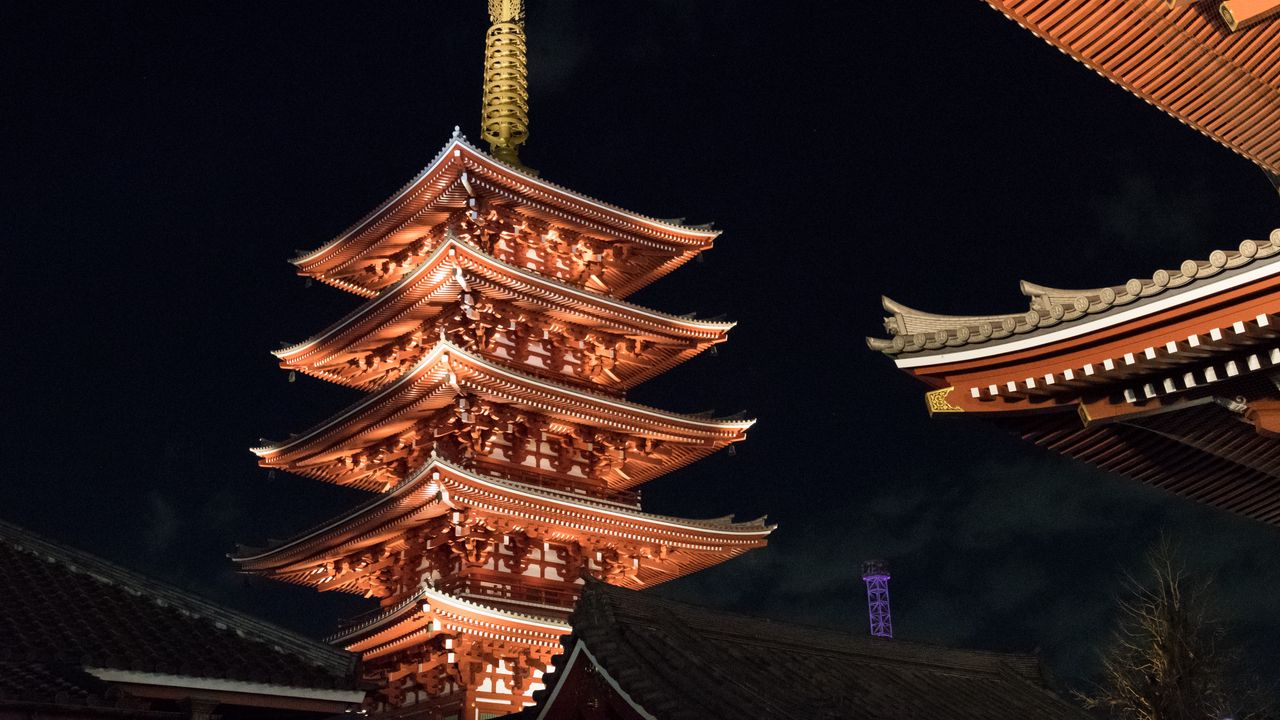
(939, 401)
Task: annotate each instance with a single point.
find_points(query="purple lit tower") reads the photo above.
(876, 574)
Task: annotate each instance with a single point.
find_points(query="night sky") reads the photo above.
(161, 162)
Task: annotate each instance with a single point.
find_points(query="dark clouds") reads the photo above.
(1021, 551)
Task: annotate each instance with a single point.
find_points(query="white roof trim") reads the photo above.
(433, 262)
(581, 649)
(364, 223)
(599, 205)
(633, 516)
(419, 481)
(449, 151)
(406, 487)
(1102, 321)
(238, 686)
(457, 603)
(444, 347)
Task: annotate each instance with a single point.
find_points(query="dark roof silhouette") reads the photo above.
(62, 610)
(678, 661)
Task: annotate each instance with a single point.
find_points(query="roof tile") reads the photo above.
(683, 662)
(61, 606)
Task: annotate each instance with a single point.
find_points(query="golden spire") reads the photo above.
(505, 115)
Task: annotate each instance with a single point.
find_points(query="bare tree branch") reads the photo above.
(1168, 659)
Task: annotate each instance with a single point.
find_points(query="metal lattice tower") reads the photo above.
(875, 573)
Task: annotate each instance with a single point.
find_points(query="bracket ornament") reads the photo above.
(939, 401)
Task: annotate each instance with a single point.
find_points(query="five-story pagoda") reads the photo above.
(496, 350)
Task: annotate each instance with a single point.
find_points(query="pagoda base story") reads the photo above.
(437, 656)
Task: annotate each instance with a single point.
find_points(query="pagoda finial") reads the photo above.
(505, 115)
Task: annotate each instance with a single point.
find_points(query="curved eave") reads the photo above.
(691, 235)
(717, 527)
(442, 367)
(407, 496)
(450, 161)
(1200, 453)
(429, 279)
(1178, 56)
(926, 339)
(408, 622)
(367, 524)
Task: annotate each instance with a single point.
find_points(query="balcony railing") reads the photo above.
(585, 489)
(470, 587)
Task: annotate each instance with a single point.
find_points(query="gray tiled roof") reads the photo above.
(59, 606)
(913, 331)
(683, 662)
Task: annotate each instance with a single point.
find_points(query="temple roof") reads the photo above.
(428, 611)
(946, 338)
(441, 487)
(1204, 451)
(455, 266)
(674, 661)
(30, 686)
(1171, 381)
(449, 371)
(1179, 56)
(59, 605)
(459, 171)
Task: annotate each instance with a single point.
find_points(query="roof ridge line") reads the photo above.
(710, 523)
(675, 623)
(440, 155)
(701, 228)
(446, 347)
(415, 275)
(397, 492)
(914, 331)
(110, 573)
(400, 490)
(459, 140)
(993, 656)
(427, 590)
(379, 618)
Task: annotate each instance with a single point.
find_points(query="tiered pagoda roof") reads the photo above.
(1218, 75)
(447, 374)
(666, 547)
(473, 639)
(1171, 380)
(372, 345)
(429, 611)
(462, 181)
(496, 351)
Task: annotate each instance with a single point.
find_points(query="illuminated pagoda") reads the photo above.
(496, 349)
(1172, 379)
